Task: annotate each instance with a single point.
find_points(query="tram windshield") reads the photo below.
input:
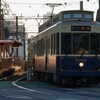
(80, 43)
(76, 43)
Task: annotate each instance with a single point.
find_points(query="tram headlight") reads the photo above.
(81, 64)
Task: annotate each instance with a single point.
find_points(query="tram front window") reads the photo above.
(94, 44)
(80, 43)
(65, 43)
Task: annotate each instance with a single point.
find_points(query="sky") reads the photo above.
(31, 8)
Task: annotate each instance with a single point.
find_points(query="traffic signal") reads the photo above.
(16, 44)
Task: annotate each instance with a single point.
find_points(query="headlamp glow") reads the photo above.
(81, 64)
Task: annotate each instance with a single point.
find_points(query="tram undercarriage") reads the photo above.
(68, 80)
(80, 81)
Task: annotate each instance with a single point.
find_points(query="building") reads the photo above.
(5, 43)
(21, 38)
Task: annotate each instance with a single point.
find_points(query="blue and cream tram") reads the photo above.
(67, 49)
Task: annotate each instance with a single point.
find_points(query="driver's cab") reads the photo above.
(80, 44)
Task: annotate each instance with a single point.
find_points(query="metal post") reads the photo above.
(17, 34)
(98, 13)
(0, 21)
(24, 42)
(0, 29)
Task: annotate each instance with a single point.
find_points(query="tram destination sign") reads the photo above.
(80, 28)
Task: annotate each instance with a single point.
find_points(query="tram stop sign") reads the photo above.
(28, 74)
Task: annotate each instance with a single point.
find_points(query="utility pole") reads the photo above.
(98, 14)
(24, 42)
(17, 34)
(0, 29)
(0, 22)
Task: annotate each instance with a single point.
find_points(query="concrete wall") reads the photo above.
(5, 63)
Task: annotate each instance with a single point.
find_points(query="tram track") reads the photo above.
(13, 77)
(68, 91)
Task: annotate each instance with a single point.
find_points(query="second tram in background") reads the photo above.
(67, 49)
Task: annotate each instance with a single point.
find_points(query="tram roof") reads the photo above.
(77, 11)
(58, 17)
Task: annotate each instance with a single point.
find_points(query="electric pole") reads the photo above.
(0, 29)
(0, 22)
(98, 14)
(17, 34)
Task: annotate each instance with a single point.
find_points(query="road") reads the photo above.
(35, 90)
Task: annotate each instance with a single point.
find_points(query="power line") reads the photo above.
(25, 3)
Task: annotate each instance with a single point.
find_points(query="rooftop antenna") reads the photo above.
(52, 5)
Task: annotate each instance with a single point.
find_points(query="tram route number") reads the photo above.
(28, 74)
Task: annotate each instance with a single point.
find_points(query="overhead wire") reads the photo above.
(9, 15)
(12, 16)
(67, 4)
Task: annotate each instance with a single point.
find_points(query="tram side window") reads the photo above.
(48, 45)
(52, 44)
(94, 44)
(34, 53)
(33, 50)
(65, 43)
(40, 47)
(57, 43)
(35, 46)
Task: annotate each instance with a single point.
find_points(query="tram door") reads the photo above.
(46, 52)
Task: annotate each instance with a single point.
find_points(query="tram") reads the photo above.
(67, 49)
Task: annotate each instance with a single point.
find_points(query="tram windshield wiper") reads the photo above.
(82, 53)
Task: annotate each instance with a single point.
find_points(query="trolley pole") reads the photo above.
(17, 34)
